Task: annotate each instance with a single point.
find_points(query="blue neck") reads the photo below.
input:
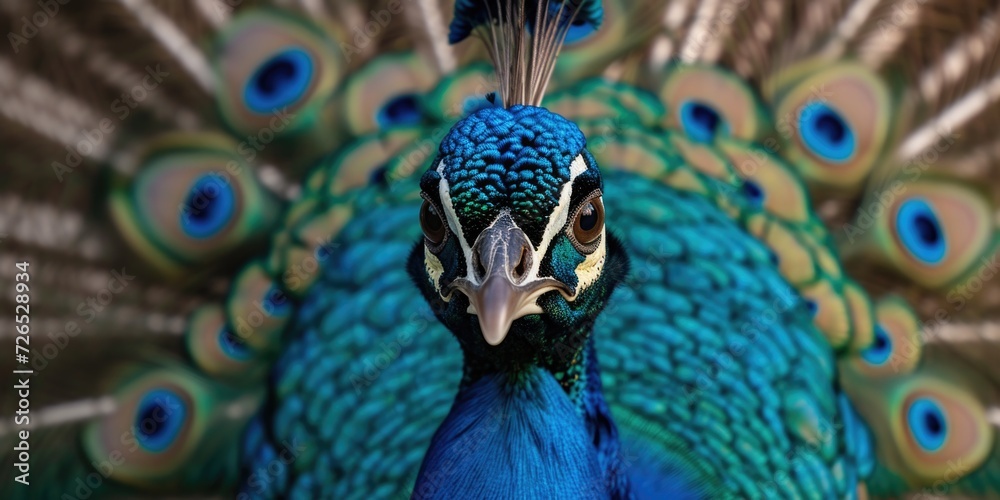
(525, 434)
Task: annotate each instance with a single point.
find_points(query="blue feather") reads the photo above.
(654, 474)
(280, 81)
(512, 437)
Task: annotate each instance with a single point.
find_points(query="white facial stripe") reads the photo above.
(560, 215)
(590, 269)
(576, 168)
(452, 218)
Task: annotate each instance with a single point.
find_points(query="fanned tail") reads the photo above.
(197, 188)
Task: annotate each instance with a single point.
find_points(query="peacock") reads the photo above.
(495, 249)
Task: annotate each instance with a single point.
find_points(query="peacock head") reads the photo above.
(515, 256)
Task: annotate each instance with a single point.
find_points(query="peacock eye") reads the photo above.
(432, 224)
(588, 224)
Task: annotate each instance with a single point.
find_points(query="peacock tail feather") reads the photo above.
(219, 201)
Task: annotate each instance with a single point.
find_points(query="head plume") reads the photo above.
(523, 38)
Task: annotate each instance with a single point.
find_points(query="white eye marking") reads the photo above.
(590, 269)
(434, 269)
(557, 221)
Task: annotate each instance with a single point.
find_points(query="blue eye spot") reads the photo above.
(812, 307)
(379, 176)
(233, 346)
(826, 133)
(403, 109)
(920, 232)
(880, 350)
(159, 418)
(579, 30)
(279, 81)
(753, 193)
(209, 207)
(701, 122)
(276, 302)
(927, 424)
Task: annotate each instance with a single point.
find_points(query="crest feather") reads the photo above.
(523, 38)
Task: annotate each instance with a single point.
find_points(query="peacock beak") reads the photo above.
(503, 288)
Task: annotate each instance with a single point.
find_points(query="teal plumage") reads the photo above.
(786, 266)
(335, 356)
(728, 391)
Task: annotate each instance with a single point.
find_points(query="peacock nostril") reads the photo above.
(522, 265)
(501, 251)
